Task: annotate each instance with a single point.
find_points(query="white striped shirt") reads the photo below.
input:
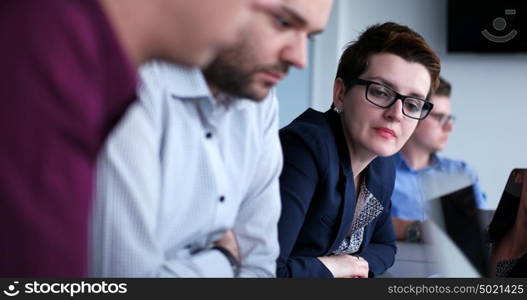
(178, 171)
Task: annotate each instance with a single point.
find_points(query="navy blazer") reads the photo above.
(318, 198)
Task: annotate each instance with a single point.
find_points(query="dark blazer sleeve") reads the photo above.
(380, 253)
(298, 183)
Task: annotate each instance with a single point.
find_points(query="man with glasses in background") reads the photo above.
(417, 159)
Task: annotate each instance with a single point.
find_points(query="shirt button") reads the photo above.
(222, 198)
(208, 135)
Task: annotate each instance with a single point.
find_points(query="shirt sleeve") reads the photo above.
(257, 219)
(125, 241)
(480, 196)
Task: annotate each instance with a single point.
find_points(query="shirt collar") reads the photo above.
(180, 81)
(401, 163)
(188, 83)
(438, 162)
(435, 162)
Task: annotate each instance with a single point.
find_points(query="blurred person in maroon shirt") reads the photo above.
(68, 73)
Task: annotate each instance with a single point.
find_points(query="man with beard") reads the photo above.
(199, 196)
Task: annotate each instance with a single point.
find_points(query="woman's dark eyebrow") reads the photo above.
(392, 86)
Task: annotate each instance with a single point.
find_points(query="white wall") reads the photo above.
(489, 91)
(294, 92)
(326, 53)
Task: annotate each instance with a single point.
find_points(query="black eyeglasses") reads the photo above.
(383, 96)
(443, 119)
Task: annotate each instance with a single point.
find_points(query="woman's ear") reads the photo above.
(339, 90)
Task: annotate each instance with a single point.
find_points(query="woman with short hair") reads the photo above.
(338, 177)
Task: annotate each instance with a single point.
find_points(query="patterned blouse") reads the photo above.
(367, 209)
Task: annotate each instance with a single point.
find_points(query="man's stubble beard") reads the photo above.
(232, 79)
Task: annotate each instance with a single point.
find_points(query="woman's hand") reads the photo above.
(346, 266)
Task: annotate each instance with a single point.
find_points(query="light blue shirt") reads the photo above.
(409, 198)
(180, 170)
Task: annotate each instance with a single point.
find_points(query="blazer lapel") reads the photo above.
(348, 208)
(346, 179)
(375, 186)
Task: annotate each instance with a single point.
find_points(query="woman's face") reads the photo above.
(371, 130)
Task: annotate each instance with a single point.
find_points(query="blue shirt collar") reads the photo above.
(436, 162)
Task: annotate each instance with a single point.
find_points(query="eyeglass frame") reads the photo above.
(398, 96)
(443, 119)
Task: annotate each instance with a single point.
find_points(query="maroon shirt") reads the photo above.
(64, 82)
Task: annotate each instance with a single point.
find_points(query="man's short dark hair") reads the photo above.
(444, 88)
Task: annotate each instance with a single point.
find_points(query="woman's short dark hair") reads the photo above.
(388, 38)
